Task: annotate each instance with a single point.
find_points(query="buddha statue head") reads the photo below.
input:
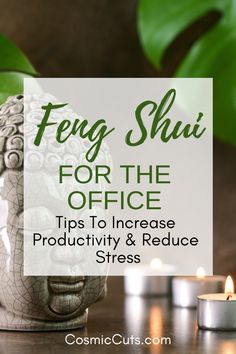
(31, 302)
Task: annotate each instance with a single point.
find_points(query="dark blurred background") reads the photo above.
(98, 38)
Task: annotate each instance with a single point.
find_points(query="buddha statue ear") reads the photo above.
(12, 189)
(2, 165)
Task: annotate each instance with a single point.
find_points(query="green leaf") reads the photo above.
(11, 83)
(212, 55)
(215, 56)
(12, 59)
(161, 21)
(14, 67)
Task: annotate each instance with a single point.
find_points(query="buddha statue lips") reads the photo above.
(69, 288)
(32, 303)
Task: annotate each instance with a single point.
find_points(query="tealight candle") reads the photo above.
(186, 289)
(143, 280)
(218, 311)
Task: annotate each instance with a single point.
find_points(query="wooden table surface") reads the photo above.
(127, 315)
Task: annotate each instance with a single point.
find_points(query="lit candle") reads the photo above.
(218, 311)
(148, 279)
(186, 289)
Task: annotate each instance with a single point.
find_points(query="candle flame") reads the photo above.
(229, 285)
(156, 263)
(201, 272)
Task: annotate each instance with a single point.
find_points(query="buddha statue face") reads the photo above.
(31, 302)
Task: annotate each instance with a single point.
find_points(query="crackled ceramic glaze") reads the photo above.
(31, 303)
